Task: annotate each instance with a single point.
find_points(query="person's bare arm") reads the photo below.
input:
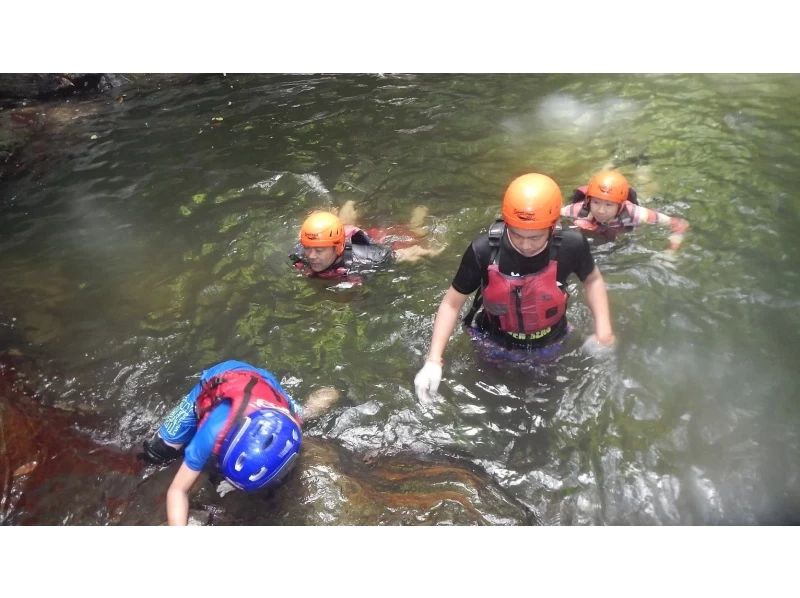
(445, 323)
(597, 299)
(677, 226)
(178, 495)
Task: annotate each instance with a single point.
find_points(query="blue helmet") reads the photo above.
(261, 450)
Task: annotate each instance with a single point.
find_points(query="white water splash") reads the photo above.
(315, 184)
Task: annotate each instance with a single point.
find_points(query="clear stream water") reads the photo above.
(148, 241)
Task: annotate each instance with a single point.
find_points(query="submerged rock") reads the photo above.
(47, 85)
(51, 471)
(333, 486)
(54, 472)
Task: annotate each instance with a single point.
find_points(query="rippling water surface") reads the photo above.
(149, 240)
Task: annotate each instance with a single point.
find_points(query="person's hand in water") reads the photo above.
(666, 258)
(599, 347)
(426, 383)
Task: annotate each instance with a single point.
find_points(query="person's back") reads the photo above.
(237, 413)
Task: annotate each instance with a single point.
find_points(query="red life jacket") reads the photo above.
(247, 392)
(526, 304)
(519, 304)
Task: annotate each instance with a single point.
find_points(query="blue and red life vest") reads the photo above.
(247, 391)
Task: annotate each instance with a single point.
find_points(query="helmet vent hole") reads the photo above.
(239, 462)
(258, 475)
(286, 448)
(268, 442)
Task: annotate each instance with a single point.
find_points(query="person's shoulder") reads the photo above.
(482, 240)
(573, 240)
(572, 236)
(215, 421)
(297, 253)
(222, 367)
(358, 236)
(201, 446)
(479, 246)
(634, 207)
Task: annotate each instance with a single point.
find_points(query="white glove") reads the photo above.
(427, 382)
(224, 487)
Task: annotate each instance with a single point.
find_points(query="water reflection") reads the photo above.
(134, 259)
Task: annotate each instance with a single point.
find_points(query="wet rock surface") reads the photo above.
(333, 486)
(50, 85)
(53, 472)
(50, 468)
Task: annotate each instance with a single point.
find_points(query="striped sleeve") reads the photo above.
(677, 226)
(572, 210)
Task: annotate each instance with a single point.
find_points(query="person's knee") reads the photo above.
(417, 221)
(158, 452)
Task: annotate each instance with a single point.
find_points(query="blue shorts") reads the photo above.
(490, 351)
(181, 423)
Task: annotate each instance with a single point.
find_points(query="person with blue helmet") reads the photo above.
(238, 413)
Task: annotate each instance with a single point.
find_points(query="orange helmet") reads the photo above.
(323, 229)
(532, 201)
(608, 185)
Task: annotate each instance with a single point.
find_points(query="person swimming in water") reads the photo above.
(609, 206)
(332, 247)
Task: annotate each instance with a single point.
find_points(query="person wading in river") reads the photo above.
(519, 269)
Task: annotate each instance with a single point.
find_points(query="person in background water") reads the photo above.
(608, 206)
(239, 414)
(519, 269)
(333, 247)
